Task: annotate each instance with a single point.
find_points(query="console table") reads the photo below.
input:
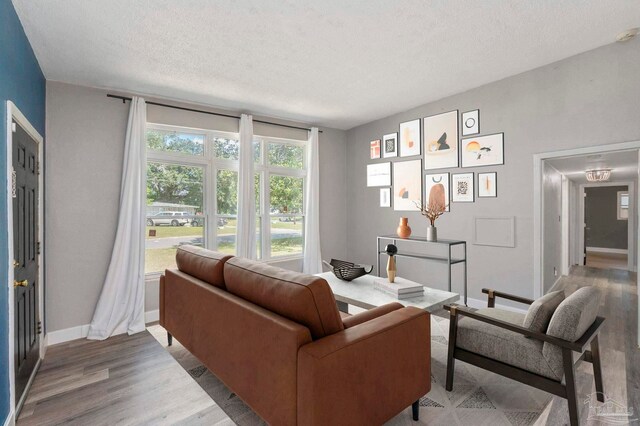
(446, 258)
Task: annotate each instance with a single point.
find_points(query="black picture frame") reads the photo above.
(495, 175)
(462, 125)
(473, 188)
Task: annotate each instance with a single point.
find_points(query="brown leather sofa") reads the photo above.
(277, 340)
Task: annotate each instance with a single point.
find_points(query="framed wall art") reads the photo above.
(471, 122)
(487, 185)
(379, 174)
(410, 138)
(407, 185)
(462, 188)
(441, 141)
(390, 145)
(385, 197)
(374, 149)
(483, 150)
(437, 188)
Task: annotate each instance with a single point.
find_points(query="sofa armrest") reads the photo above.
(371, 314)
(492, 294)
(367, 373)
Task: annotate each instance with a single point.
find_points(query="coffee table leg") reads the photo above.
(342, 307)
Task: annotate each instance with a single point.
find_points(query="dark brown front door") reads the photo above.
(25, 254)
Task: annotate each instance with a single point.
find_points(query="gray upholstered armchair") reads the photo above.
(536, 348)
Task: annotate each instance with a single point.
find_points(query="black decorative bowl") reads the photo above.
(348, 271)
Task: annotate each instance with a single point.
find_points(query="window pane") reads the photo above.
(286, 236)
(184, 143)
(256, 151)
(257, 190)
(284, 155)
(226, 148)
(174, 213)
(286, 194)
(226, 239)
(258, 238)
(227, 192)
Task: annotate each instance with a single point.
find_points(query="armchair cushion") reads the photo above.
(502, 345)
(569, 322)
(541, 311)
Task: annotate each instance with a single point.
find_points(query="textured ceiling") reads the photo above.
(331, 62)
(623, 165)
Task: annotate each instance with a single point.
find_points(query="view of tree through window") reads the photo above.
(182, 209)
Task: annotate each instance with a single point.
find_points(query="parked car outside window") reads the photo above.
(168, 218)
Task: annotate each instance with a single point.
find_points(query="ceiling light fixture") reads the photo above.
(601, 175)
(627, 35)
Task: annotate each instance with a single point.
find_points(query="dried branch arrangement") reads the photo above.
(433, 210)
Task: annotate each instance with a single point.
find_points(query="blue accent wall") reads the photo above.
(21, 82)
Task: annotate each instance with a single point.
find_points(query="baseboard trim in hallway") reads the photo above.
(81, 331)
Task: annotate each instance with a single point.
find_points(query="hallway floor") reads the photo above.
(618, 345)
(606, 260)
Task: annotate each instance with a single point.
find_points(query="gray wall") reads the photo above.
(601, 217)
(85, 145)
(589, 99)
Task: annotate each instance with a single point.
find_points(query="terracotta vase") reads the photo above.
(404, 231)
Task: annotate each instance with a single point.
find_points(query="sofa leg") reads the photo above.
(451, 362)
(169, 339)
(570, 379)
(415, 410)
(597, 369)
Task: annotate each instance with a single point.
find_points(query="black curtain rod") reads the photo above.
(124, 98)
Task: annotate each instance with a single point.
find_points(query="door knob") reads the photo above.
(23, 283)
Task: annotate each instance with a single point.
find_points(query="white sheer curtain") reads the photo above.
(246, 227)
(121, 305)
(312, 256)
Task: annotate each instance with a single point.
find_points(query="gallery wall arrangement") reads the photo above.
(448, 140)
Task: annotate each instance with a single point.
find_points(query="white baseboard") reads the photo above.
(478, 304)
(10, 420)
(81, 331)
(607, 250)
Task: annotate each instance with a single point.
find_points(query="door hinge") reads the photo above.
(38, 168)
(14, 183)
(39, 327)
(38, 247)
(13, 127)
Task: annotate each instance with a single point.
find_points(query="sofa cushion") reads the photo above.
(541, 311)
(500, 344)
(305, 299)
(569, 322)
(206, 265)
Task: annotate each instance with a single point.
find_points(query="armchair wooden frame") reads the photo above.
(556, 387)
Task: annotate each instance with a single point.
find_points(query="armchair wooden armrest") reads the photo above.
(578, 346)
(491, 302)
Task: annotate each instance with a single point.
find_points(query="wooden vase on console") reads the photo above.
(404, 230)
(391, 269)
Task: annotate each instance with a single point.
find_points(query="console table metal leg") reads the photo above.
(465, 274)
(449, 270)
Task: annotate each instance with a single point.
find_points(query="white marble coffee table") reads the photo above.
(360, 292)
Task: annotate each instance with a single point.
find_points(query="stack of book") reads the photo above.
(400, 289)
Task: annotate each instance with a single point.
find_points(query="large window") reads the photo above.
(192, 188)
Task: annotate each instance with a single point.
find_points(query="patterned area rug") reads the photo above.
(479, 397)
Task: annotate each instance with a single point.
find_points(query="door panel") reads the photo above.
(25, 240)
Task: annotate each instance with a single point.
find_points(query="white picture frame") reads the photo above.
(410, 138)
(433, 179)
(390, 145)
(471, 122)
(462, 188)
(385, 197)
(440, 138)
(407, 185)
(379, 174)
